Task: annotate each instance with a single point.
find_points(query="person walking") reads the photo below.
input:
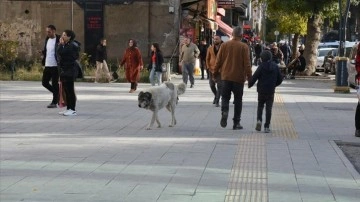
(268, 76)
(286, 50)
(101, 63)
(155, 65)
(188, 54)
(357, 113)
(133, 62)
(233, 62)
(258, 49)
(49, 60)
(203, 65)
(214, 82)
(68, 52)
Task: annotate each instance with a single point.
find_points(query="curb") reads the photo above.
(346, 161)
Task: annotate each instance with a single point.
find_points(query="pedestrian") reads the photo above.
(233, 62)
(101, 64)
(214, 82)
(258, 49)
(203, 50)
(133, 62)
(277, 55)
(49, 60)
(268, 76)
(68, 52)
(357, 113)
(188, 54)
(296, 65)
(155, 65)
(286, 50)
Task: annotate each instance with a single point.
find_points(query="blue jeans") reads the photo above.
(153, 75)
(238, 90)
(188, 72)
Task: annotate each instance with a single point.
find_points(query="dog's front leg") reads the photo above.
(173, 120)
(154, 116)
(157, 120)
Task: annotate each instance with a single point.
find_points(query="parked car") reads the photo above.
(321, 53)
(330, 60)
(351, 66)
(329, 45)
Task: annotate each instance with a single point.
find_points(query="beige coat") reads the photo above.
(233, 59)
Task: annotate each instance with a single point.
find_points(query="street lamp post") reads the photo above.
(341, 70)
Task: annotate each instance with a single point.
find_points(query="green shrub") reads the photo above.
(8, 54)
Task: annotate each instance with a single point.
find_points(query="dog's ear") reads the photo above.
(149, 95)
(140, 93)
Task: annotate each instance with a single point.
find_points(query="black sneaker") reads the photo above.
(52, 105)
(223, 121)
(237, 127)
(192, 86)
(357, 133)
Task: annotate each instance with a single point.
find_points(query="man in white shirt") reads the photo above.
(51, 71)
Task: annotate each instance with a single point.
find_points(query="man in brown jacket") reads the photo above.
(233, 61)
(214, 82)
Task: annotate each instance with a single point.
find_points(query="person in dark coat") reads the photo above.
(203, 50)
(49, 60)
(155, 66)
(268, 76)
(68, 52)
(101, 64)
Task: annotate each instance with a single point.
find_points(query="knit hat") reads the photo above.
(265, 56)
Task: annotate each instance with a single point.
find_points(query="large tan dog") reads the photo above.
(156, 98)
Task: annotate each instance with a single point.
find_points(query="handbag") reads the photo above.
(79, 74)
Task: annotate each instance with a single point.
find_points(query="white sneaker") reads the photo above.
(70, 112)
(62, 112)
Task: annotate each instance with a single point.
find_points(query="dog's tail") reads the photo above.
(181, 88)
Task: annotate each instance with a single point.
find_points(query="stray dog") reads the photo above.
(156, 98)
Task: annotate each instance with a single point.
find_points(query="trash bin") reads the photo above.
(166, 76)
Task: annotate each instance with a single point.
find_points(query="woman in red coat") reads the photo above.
(133, 64)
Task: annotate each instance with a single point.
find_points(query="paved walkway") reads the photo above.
(105, 154)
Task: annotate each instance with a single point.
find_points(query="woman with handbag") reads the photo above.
(155, 66)
(133, 62)
(68, 53)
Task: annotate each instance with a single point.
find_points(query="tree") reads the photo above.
(314, 11)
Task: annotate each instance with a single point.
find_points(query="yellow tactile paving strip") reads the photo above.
(281, 124)
(248, 178)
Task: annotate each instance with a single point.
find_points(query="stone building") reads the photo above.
(146, 21)
(116, 20)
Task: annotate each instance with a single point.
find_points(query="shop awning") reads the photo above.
(226, 29)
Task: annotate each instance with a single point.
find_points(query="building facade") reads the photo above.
(146, 21)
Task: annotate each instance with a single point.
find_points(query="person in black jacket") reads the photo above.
(101, 57)
(269, 76)
(68, 53)
(49, 60)
(155, 66)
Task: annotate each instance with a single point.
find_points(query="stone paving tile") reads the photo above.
(104, 153)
